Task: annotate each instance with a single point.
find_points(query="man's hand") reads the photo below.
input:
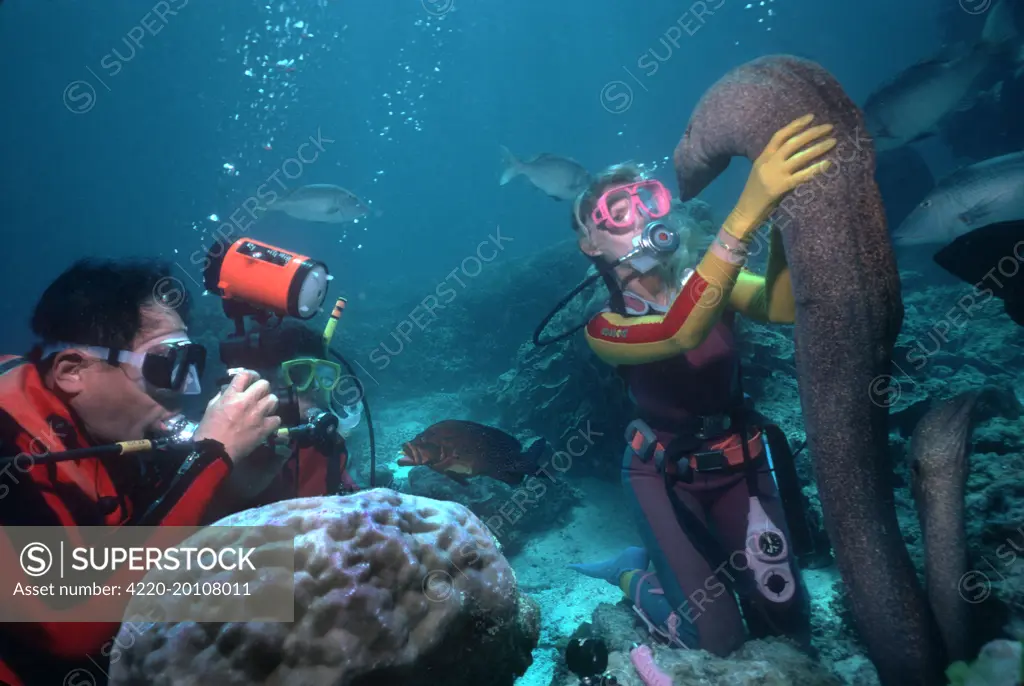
(241, 416)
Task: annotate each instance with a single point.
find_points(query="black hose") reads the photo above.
(75, 454)
(366, 411)
(605, 272)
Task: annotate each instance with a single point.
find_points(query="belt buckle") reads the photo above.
(650, 446)
(710, 461)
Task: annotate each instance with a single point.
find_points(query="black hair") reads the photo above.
(99, 302)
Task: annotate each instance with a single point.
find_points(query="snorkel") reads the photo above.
(352, 413)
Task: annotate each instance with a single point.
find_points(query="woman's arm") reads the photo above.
(767, 298)
(698, 307)
(790, 158)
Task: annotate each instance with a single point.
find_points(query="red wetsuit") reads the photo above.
(107, 491)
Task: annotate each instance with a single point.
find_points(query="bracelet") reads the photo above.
(730, 249)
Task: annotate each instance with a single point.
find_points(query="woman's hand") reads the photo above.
(789, 160)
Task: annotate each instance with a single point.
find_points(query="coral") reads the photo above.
(999, 664)
(389, 589)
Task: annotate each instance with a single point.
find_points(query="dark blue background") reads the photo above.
(137, 171)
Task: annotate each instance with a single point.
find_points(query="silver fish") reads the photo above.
(559, 177)
(988, 192)
(322, 203)
(910, 106)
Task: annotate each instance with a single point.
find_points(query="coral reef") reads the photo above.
(561, 391)
(389, 589)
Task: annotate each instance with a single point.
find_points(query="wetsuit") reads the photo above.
(109, 491)
(304, 475)
(300, 473)
(684, 470)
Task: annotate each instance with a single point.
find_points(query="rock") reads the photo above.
(384, 477)
(768, 662)
(389, 589)
(541, 503)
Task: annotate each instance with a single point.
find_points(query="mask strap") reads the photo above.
(576, 213)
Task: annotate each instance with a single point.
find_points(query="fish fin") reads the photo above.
(976, 215)
(510, 166)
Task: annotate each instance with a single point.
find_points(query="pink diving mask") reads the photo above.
(618, 208)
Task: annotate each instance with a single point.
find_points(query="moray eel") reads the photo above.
(939, 468)
(848, 313)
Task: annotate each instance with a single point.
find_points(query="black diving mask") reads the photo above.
(174, 365)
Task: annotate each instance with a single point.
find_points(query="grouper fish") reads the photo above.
(462, 449)
(848, 314)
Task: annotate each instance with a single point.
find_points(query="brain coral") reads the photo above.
(389, 589)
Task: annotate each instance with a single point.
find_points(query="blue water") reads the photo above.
(417, 97)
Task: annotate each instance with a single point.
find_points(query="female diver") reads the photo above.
(696, 465)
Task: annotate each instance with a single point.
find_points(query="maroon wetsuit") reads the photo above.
(672, 394)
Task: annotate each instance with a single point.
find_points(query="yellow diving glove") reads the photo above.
(784, 164)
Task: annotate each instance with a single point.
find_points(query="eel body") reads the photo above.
(848, 314)
(939, 469)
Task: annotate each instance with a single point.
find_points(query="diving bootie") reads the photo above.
(629, 560)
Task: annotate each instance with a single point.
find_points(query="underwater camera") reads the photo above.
(263, 282)
(259, 280)
(587, 658)
(267, 284)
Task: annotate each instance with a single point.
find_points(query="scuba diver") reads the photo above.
(698, 465)
(114, 362)
(291, 356)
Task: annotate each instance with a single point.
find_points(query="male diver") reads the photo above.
(113, 363)
(697, 465)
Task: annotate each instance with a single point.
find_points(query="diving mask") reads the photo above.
(304, 372)
(618, 208)
(174, 364)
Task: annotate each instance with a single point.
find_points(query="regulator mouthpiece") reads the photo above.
(655, 244)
